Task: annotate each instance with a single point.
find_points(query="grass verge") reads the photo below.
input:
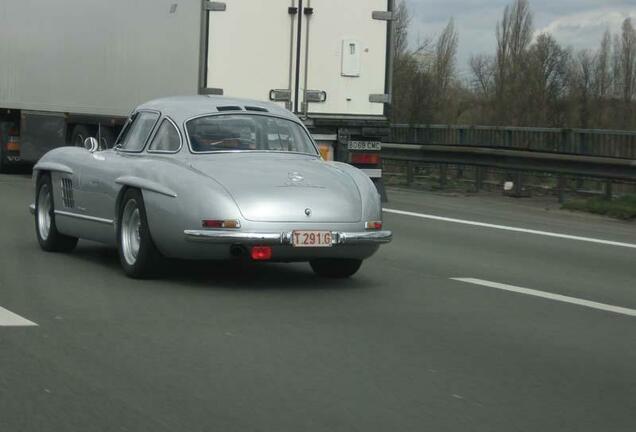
(619, 208)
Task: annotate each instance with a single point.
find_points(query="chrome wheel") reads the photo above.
(131, 231)
(44, 211)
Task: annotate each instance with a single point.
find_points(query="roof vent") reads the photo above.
(229, 108)
(257, 109)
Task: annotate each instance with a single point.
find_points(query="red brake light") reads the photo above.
(261, 253)
(365, 158)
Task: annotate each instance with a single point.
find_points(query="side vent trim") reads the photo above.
(67, 193)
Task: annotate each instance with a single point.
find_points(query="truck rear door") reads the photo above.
(249, 47)
(345, 56)
(313, 56)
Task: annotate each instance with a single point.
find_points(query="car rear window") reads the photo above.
(248, 132)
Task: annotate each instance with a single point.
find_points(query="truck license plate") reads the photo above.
(312, 239)
(365, 145)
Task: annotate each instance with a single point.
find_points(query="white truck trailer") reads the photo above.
(70, 69)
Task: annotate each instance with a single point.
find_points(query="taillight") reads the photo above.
(13, 144)
(373, 225)
(365, 158)
(261, 253)
(220, 224)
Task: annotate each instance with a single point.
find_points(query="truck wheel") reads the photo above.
(137, 252)
(335, 268)
(108, 138)
(79, 134)
(50, 239)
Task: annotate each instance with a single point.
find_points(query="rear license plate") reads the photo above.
(365, 145)
(312, 239)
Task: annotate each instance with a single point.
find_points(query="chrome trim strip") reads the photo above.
(365, 237)
(152, 130)
(230, 237)
(154, 135)
(84, 217)
(215, 236)
(32, 209)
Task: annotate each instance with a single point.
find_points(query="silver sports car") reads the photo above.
(209, 178)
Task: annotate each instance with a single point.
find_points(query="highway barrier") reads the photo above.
(599, 154)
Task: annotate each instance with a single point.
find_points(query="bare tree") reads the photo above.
(583, 85)
(602, 82)
(514, 35)
(401, 23)
(445, 57)
(483, 72)
(628, 68)
(603, 75)
(547, 79)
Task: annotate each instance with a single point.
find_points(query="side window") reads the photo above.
(166, 139)
(138, 131)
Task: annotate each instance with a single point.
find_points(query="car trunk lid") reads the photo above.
(274, 187)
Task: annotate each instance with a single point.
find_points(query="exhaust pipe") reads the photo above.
(238, 251)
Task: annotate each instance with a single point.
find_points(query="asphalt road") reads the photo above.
(400, 347)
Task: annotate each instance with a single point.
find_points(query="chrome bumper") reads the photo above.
(273, 239)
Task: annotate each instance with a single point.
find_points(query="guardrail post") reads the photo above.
(518, 191)
(443, 176)
(561, 189)
(609, 193)
(479, 178)
(409, 173)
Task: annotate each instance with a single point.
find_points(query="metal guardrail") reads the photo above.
(514, 160)
(601, 154)
(581, 142)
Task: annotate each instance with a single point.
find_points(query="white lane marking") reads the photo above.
(9, 319)
(515, 229)
(550, 296)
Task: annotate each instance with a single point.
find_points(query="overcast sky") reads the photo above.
(575, 23)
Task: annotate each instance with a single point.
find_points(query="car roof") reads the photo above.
(181, 108)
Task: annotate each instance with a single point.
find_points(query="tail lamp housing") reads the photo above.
(373, 225)
(226, 224)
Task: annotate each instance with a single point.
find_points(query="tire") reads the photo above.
(49, 238)
(79, 134)
(108, 138)
(138, 254)
(335, 268)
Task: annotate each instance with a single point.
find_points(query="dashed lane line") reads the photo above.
(549, 296)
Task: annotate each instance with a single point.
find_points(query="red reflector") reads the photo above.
(261, 253)
(365, 158)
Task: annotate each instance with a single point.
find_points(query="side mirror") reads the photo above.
(91, 144)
